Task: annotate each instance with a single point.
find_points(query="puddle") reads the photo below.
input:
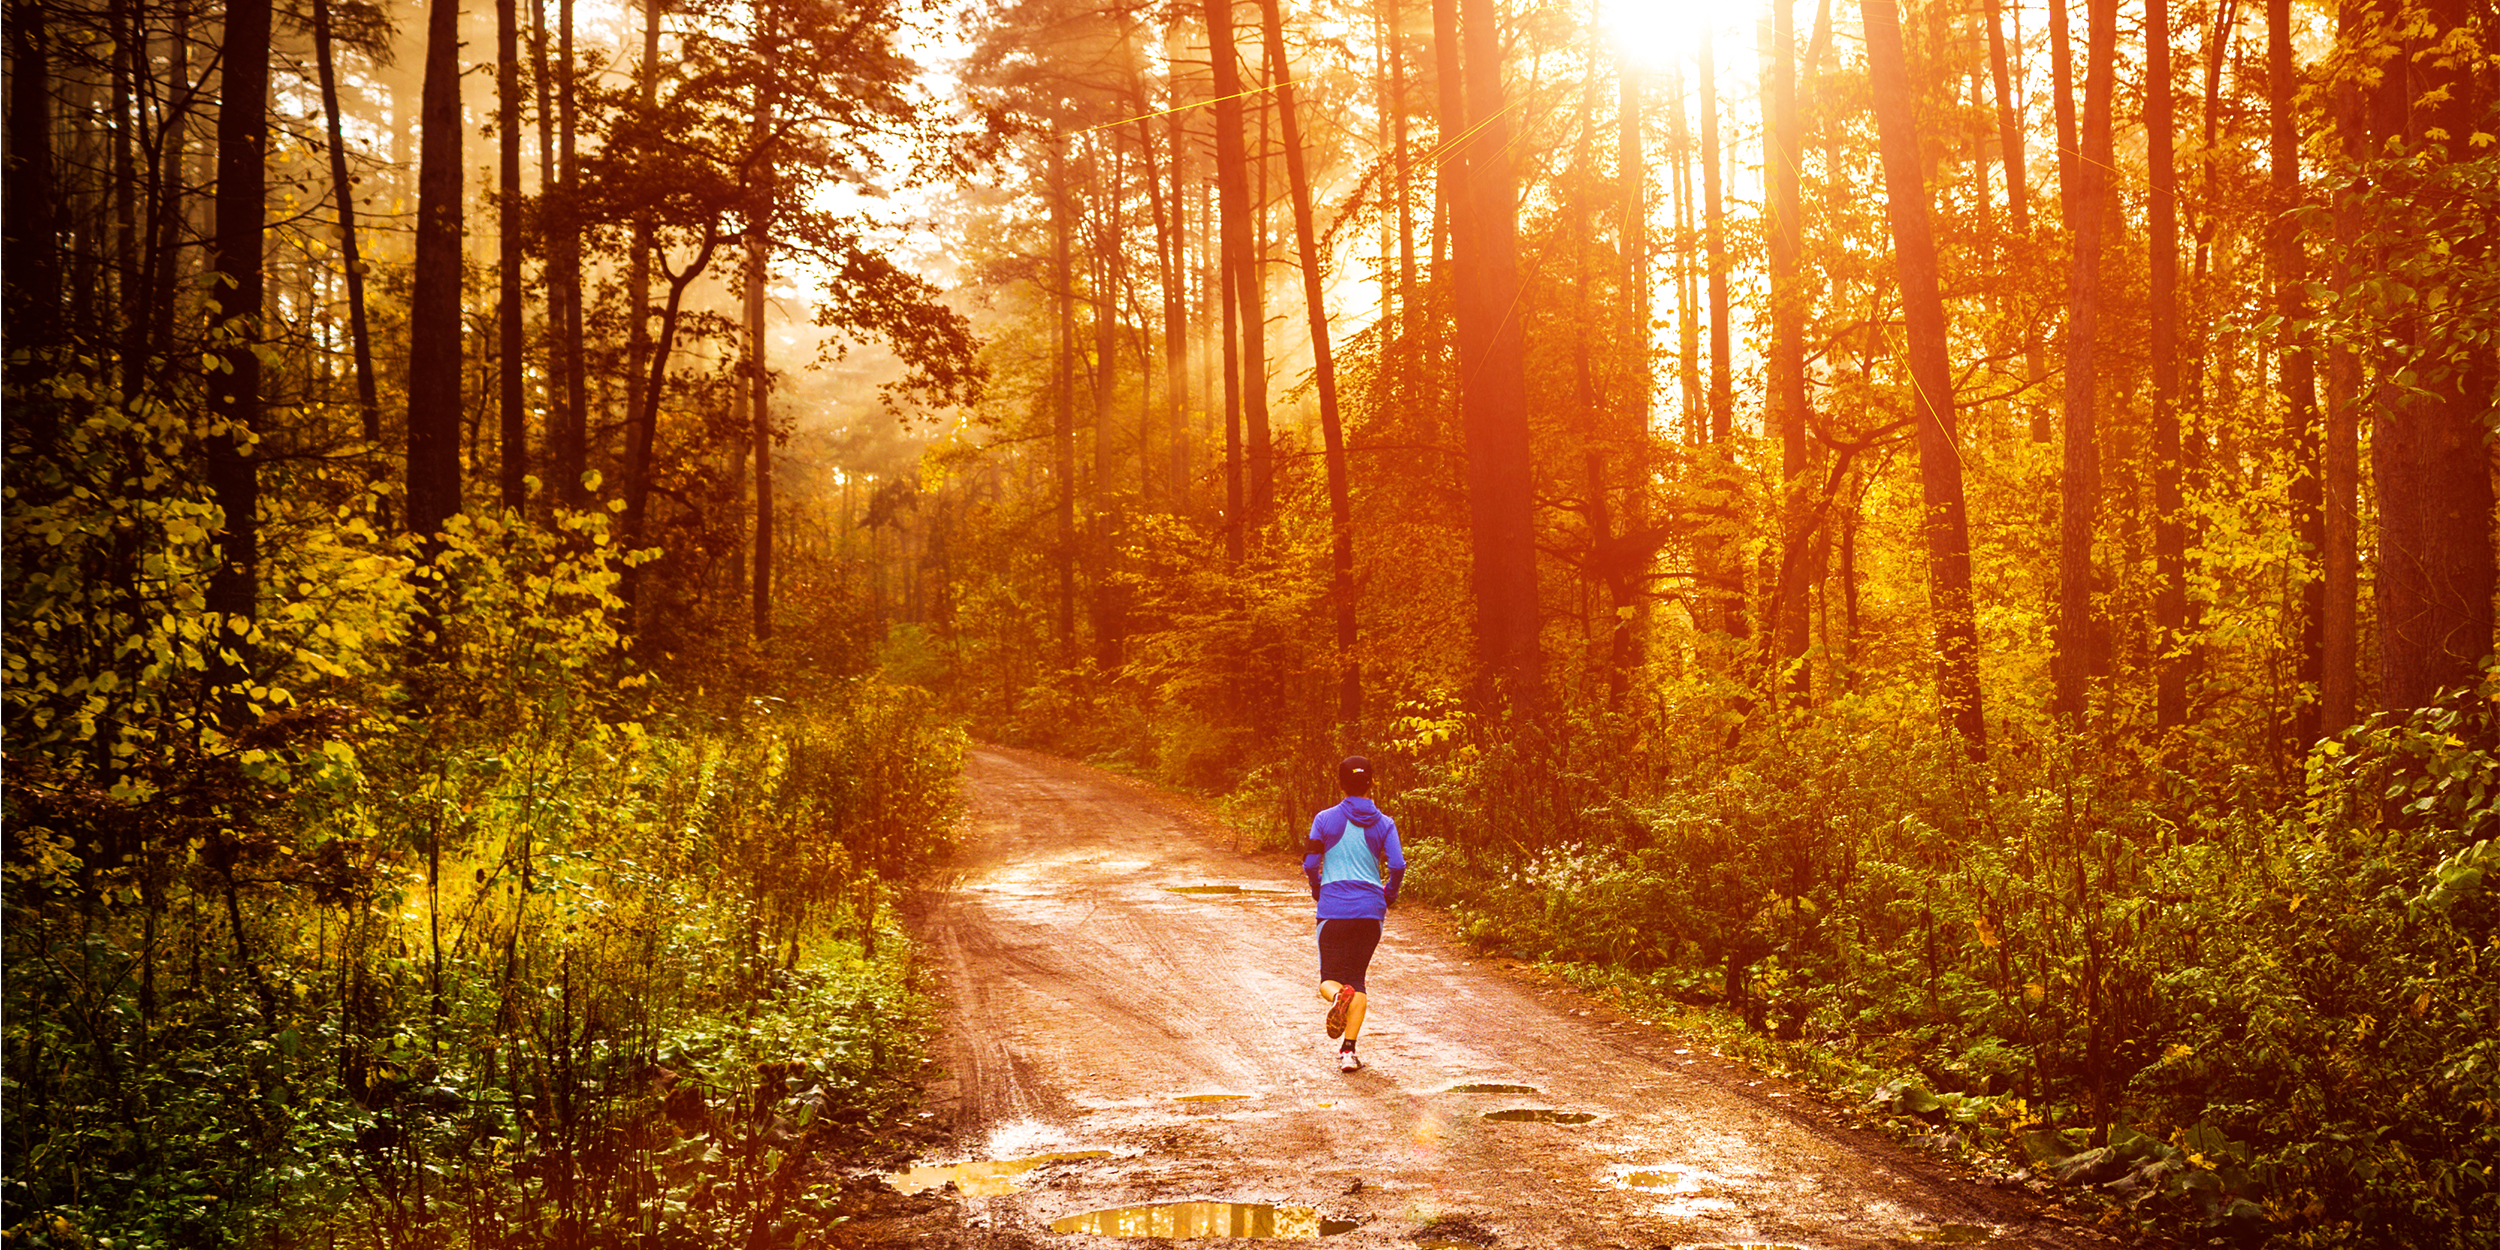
(1540, 1115)
(981, 1178)
(1954, 1234)
(1486, 1087)
(1213, 889)
(1204, 1219)
(1209, 1102)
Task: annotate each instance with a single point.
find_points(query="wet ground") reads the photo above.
(1134, 1051)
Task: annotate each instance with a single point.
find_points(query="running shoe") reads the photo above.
(1347, 1061)
(1337, 1010)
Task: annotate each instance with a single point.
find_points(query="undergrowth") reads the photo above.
(498, 948)
(2262, 1022)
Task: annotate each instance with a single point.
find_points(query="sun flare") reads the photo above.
(1653, 34)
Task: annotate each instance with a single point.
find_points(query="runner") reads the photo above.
(1353, 897)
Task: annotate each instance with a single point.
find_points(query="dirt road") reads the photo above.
(1093, 1006)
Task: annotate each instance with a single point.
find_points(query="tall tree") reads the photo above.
(434, 292)
(1945, 524)
(234, 392)
(2428, 446)
(1492, 358)
(2080, 479)
(513, 428)
(1787, 361)
(1232, 181)
(2297, 371)
(568, 434)
(2162, 222)
(351, 260)
(1332, 428)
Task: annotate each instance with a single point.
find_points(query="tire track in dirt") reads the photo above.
(1084, 999)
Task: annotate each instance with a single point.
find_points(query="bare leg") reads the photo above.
(1354, 1016)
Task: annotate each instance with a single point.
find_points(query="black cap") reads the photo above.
(1354, 774)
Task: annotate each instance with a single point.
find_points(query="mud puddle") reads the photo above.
(1540, 1115)
(1488, 1087)
(1215, 890)
(982, 1178)
(1256, 1220)
(1954, 1234)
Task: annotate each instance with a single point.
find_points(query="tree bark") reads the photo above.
(359, 342)
(1232, 180)
(2340, 562)
(2009, 126)
(1332, 430)
(2080, 480)
(2169, 527)
(1714, 249)
(434, 363)
(2427, 451)
(1493, 381)
(1063, 412)
(2297, 372)
(568, 439)
(30, 254)
(1788, 365)
(1940, 468)
(512, 443)
(759, 381)
(234, 398)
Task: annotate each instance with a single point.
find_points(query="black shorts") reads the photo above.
(1345, 950)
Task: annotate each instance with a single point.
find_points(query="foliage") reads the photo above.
(2270, 1023)
(438, 930)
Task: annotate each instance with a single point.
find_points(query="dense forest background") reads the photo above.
(1961, 537)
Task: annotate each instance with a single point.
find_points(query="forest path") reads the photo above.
(1086, 1001)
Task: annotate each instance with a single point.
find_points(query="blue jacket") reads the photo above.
(1345, 872)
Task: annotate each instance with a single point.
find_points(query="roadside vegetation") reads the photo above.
(489, 941)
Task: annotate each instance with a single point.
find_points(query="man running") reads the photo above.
(1352, 896)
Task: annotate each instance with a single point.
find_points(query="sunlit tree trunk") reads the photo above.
(1332, 429)
(513, 443)
(434, 356)
(1788, 366)
(2340, 561)
(1714, 249)
(2080, 480)
(350, 258)
(638, 269)
(2169, 528)
(1063, 409)
(2297, 371)
(568, 438)
(1232, 174)
(759, 377)
(1940, 467)
(1492, 378)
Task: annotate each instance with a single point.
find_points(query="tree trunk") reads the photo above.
(1332, 430)
(568, 441)
(1232, 180)
(434, 295)
(1063, 413)
(1714, 248)
(2427, 450)
(638, 273)
(1788, 364)
(2009, 126)
(512, 444)
(2298, 371)
(759, 391)
(2169, 527)
(234, 399)
(2340, 563)
(31, 253)
(1492, 379)
(368, 405)
(1940, 467)
(2080, 481)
